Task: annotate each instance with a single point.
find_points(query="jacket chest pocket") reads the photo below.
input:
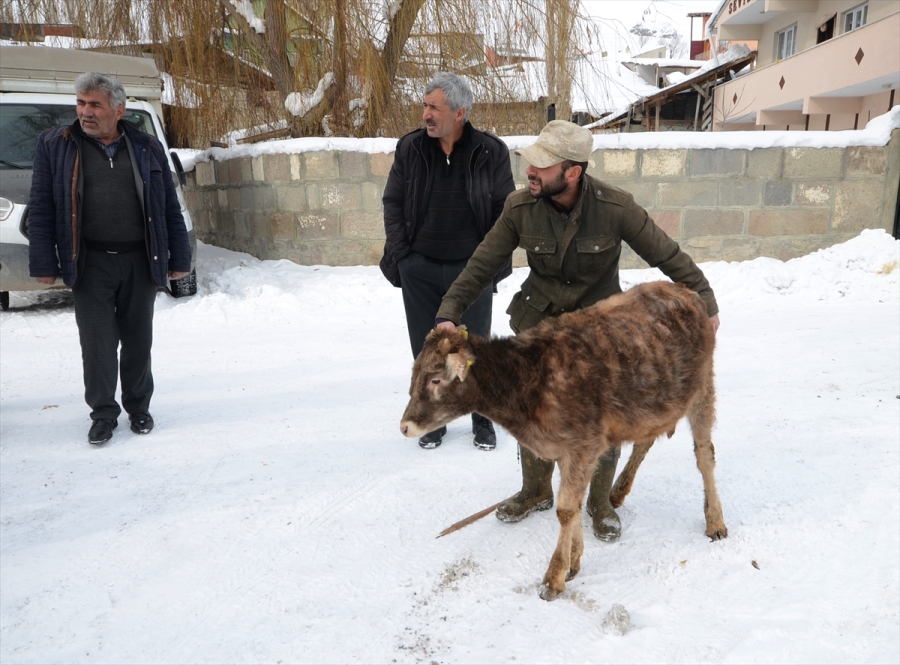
(541, 253)
(595, 254)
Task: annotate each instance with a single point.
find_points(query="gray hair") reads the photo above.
(90, 81)
(456, 91)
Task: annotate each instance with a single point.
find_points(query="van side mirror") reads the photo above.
(179, 169)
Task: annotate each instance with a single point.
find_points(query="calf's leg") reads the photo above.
(702, 417)
(565, 563)
(626, 479)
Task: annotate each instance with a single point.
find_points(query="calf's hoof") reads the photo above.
(548, 593)
(717, 533)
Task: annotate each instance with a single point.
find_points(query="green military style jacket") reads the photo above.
(574, 258)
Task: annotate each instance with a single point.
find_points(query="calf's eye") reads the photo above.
(436, 382)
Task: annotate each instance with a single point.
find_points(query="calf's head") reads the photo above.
(438, 392)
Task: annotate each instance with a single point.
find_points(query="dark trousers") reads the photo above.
(114, 304)
(424, 282)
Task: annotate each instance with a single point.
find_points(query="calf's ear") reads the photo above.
(458, 366)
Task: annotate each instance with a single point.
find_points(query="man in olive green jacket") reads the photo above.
(571, 226)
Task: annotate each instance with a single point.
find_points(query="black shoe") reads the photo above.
(483, 429)
(433, 439)
(141, 423)
(102, 431)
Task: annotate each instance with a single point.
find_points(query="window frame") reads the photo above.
(791, 31)
(856, 18)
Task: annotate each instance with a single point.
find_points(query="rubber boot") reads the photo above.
(536, 492)
(606, 524)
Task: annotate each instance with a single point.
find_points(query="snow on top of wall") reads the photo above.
(245, 9)
(877, 133)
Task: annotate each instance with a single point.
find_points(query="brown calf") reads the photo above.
(625, 369)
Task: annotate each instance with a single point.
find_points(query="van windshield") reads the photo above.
(21, 124)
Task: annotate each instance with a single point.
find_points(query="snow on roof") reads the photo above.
(665, 62)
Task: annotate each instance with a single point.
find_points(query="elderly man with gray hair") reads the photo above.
(445, 191)
(104, 216)
(571, 226)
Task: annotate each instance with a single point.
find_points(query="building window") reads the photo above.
(856, 18)
(785, 42)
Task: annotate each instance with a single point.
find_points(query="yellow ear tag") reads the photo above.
(465, 334)
(469, 363)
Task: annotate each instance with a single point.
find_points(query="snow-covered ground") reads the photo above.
(276, 514)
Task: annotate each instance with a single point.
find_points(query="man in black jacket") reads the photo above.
(445, 191)
(104, 215)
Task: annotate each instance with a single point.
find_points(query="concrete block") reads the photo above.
(222, 198)
(786, 249)
(643, 191)
(362, 225)
(813, 162)
(206, 173)
(865, 160)
(321, 165)
(687, 193)
(296, 165)
(798, 222)
(241, 224)
(234, 171)
(765, 163)
(669, 221)
(722, 163)
(248, 197)
(318, 225)
(264, 198)
(857, 205)
(371, 196)
(277, 167)
(778, 193)
(663, 163)
(256, 167)
(234, 198)
(352, 166)
(223, 172)
(259, 225)
(380, 164)
(340, 196)
(225, 223)
(291, 197)
(617, 163)
(721, 248)
(283, 225)
(246, 169)
(740, 193)
(814, 193)
(713, 223)
(313, 198)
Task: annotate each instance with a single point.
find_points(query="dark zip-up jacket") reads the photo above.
(574, 258)
(488, 182)
(54, 209)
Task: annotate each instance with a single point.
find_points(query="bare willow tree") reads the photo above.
(314, 67)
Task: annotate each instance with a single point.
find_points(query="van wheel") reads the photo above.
(4, 300)
(186, 286)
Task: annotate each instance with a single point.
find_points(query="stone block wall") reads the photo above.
(719, 204)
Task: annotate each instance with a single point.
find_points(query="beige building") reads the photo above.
(821, 65)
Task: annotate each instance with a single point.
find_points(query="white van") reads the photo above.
(37, 93)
